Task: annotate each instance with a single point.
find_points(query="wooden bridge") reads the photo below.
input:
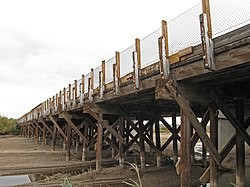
(194, 82)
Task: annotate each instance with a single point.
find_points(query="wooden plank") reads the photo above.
(68, 141)
(193, 119)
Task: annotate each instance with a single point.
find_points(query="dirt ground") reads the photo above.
(22, 153)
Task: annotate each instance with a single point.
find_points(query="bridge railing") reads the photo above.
(183, 31)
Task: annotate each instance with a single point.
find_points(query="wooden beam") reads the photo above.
(228, 114)
(66, 116)
(204, 122)
(224, 152)
(214, 138)
(46, 126)
(141, 135)
(240, 145)
(173, 89)
(99, 145)
(185, 151)
(52, 119)
(103, 123)
(175, 134)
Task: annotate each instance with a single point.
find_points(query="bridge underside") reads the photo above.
(120, 120)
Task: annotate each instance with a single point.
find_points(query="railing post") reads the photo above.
(116, 73)
(91, 85)
(206, 36)
(82, 90)
(102, 80)
(137, 64)
(64, 98)
(75, 93)
(164, 51)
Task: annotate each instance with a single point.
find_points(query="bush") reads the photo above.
(8, 125)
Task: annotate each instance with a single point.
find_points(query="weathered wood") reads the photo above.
(46, 126)
(57, 126)
(175, 134)
(228, 114)
(104, 124)
(68, 141)
(121, 145)
(214, 138)
(142, 144)
(185, 154)
(157, 140)
(99, 145)
(204, 122)
(240, 145)
(66, 116)
(84, 146)
(140, 134)
(194, 121)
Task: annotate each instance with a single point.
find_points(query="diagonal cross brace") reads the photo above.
(224, 152)
(140, 134)
(67, 118)
(193, 119)
(46, 126)
(228, 114)
(104, 124)
(57, 126)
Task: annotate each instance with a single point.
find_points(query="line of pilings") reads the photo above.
(121, 134)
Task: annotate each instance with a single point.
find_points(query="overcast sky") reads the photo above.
(47, 44)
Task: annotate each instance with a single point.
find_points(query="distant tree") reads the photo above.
(7, 125)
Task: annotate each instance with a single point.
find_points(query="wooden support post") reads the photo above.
(204, 155)
(157, 140)
(113, 140)
(54, 139)
(185, 160)
(102, 80)
(142, 144)
(240, 145)
(84, 146)
(175, 145)
(184, 105)
(121, 146)
(151, 137)
(214, 139)
(44, 136)
(77, 143)
(99, 145)
(37, 133)
(68, 139)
